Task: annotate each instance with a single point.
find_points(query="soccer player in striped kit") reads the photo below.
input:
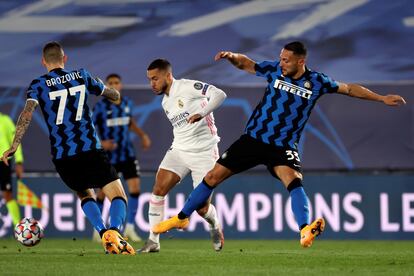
(273, 132)
(114, 121)
(189, 105)
(76, 151)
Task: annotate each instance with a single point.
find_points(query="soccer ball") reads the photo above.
(28, 232)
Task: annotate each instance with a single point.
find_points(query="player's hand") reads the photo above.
(19, 170)
(394, 100)
(224, 54)
(8, 153)
(145, 142)
(194, 118)
(109, 145)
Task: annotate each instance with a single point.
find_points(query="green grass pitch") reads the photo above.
(196, 257)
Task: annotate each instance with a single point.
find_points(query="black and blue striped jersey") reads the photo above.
(286, 105)
(113, 121)
(62, 96)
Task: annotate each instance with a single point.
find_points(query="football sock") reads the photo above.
(196, 199)
(299, 202)
(92, 212)
(14, 211)
(211, 217)
(100, 203)
(132, 207)
(117, 212)
(155, 214)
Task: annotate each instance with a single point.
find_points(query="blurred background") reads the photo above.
(358, 156)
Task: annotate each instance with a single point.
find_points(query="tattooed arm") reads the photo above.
(21, 127)
(112, 94)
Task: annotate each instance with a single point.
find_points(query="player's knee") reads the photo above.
(212, 179)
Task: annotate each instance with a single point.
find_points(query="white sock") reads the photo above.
(211, 217)
(155, 215)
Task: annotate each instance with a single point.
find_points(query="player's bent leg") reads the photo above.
(112, 239)
(165, 180)
(133, 195)
(292, 180)
(196, 199)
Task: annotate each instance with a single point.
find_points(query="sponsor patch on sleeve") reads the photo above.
(205, 88)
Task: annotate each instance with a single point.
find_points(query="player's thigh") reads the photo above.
(114, 189)
(284, 164)
(243, 154)
(201, 163)
(172, 170)
(86, 170)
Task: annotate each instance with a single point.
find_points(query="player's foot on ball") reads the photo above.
(217, 238)
(309, 232)
(173, 222)
(150, 246)
(114, 243)
(130, 233)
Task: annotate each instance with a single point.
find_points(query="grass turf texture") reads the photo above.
(196, 257)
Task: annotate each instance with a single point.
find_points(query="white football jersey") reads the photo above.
(186, 98)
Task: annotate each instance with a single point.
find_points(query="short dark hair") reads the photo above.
(297, 47)
(113, 75)
(53, 52)
(161, 64)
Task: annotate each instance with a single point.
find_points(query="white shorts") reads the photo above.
(183, 162)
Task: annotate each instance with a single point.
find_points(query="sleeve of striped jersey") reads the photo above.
(94, 86)
(32, 93)
(264, 68)
(329, 85)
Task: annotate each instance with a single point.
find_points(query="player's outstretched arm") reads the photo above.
(358, 91)
(22, 124)
(238, 60)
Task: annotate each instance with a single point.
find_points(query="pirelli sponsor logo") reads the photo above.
(121, 121)
(294, 89)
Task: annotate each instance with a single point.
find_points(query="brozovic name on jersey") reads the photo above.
(64, 79)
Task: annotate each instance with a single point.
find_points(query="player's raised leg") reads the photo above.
(112, 239)
(292, 180)
(196, 199)
(164, 182)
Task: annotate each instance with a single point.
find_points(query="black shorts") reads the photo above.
(248, 152)
(5, 177)
(129, 169)
(90, 169)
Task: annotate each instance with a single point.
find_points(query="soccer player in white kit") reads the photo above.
(188, 104)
